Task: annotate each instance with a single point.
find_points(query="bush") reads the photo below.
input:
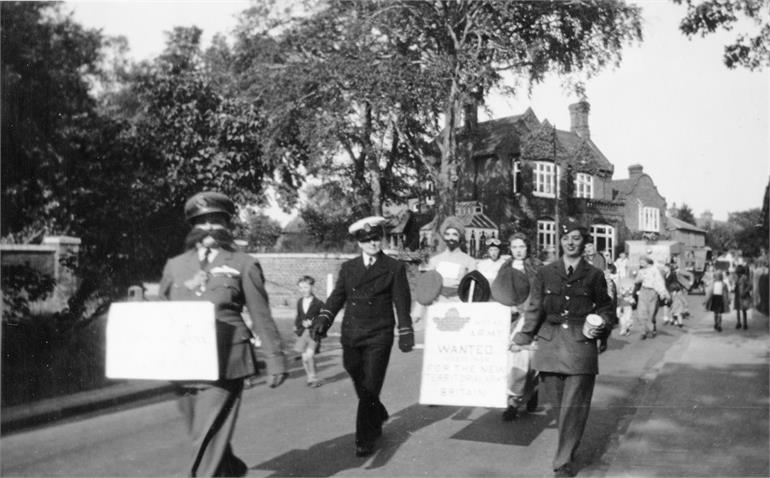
(21, 284)
(43, 359)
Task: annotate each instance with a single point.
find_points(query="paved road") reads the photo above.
(645, 421)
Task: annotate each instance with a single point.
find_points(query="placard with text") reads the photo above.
(465, 361)
(162, 341)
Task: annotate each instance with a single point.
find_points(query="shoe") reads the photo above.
(654, 333)
(644, 336)
(738, 325)
(745, 326)
(719, 328)
(315, 384)
(364, 449)
(564, 470)
(510, 414)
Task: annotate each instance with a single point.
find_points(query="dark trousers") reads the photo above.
(210, 414)
(366, 365)
(572, 395)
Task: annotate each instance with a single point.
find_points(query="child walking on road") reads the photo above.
(718, 299)
(308, 307)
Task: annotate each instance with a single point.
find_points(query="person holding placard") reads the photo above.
(212, 270)
(565, 294)
(452, 263)
(370, 288)
(512, 288)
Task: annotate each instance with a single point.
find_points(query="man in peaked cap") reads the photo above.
(563, 293)
(212, 270)
(369, 287)
(452, 263)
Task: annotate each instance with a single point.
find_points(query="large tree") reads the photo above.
(749, 50)
(48, 116)
(396, 73)
(333, 90)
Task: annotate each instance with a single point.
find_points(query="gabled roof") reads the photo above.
(491, 134)
(537, 142)
(623, 186)
(674, 223)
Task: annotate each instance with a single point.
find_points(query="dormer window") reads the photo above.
(584, 186)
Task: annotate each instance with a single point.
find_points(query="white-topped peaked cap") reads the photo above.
(367, 226)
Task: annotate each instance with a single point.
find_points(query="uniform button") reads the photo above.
(566, 297)
(569, 285)
(564, 326)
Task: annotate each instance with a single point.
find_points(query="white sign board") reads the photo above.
(465, 361)
(162, 341)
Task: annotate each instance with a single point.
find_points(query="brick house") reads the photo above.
(519, 168)
(644, 209)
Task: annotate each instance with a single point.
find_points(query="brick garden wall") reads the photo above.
(283, 270)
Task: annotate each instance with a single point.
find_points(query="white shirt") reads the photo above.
(212, 253)
(368, 260)
(489, 268)
(718, 287)
(306, 303)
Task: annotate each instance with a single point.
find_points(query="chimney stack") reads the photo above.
(578, 113)
(635, 170)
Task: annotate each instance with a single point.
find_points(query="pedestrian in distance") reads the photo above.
(452, 263)
(742, 296)
(513, 287)
(369, 287)
(651, 289)
(568, 311)
(594, 258)
(212, 270)
(626, 304)
(621, 264)
(612, 291)
(678, 308)
(308, 307)
(718, 299)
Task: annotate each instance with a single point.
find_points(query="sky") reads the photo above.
(699, 129)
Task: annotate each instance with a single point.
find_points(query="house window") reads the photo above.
(649, 219)
(604, 239)
(546, 235)
(544, 179)
(584, 186)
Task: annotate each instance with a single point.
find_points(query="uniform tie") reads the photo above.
(205, 259)
(570, 270)
(369, 262)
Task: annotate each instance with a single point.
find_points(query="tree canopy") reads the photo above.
(749, 50)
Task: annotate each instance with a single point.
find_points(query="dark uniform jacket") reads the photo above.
(235, 280)
(557, 310)
(312, 312)
(369, 296)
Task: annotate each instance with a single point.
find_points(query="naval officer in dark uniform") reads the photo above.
(564, 292)
(369, 287)
(212, 270)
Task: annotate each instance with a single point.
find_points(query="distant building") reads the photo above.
(644, 207)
